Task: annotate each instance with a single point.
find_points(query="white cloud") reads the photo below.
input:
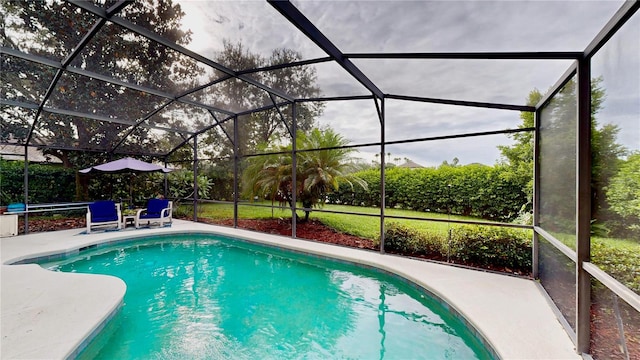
(254, 23)
(420, 26)
(424, 26)
(618, 62)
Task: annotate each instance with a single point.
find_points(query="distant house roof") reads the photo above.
(16, 152)
(411, 165)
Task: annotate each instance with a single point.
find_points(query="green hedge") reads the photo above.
(470, 190)
(356, 195)
(488, 246)
(53, 183)
(483, 246)
(47, 183)
(405, 240)
(623, 264)
(496, 247)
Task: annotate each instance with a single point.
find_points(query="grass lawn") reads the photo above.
(360, 225)
(368, 226)
(619, 257)
(624, 244)
(616, 243)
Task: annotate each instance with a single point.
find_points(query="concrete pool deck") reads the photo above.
(49, 315)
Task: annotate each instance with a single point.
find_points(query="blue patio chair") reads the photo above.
(157, 210)
(103, 213)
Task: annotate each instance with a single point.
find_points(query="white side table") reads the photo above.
(128, 219)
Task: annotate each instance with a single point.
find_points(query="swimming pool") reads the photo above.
(204, 296)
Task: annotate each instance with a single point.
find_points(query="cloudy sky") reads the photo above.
(432, 26)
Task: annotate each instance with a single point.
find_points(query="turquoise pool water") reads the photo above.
(204, 297)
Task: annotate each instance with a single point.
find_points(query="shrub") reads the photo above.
(405, 240)
(623, 193)
(11, 181)
(489, 246)
(434, 244)
(621, 263)
(470, 190)
(401, 239)
(181, 185)
(184, 210)
(483, 246)
(47, 183)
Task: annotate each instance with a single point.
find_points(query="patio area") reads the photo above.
(469, 121)
(48, 315)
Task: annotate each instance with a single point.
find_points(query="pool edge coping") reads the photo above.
(388, 263)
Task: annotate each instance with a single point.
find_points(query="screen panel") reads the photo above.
(491, 81)
(616, 154)
(91, 96)
(557, 274)
(80, 133)
(15, 123)
(231, 95)
(129, 57)
(51, 29)
(181, 116)
(24, 81)
(615, 329)
(219, 178)
(217, 140)
(356, 121)
(558, 123)
(481, 149)
(424, 26)
(211, 28)
(147, 140)
(413, 120)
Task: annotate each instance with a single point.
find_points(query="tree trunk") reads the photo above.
(307, 205)
(82, 187)
(82, 182)
(294, 213)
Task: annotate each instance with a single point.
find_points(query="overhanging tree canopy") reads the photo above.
(126, 77)
(120, 76)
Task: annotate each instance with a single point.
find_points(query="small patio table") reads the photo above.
(128, 219)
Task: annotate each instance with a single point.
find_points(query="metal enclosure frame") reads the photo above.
(580, 67)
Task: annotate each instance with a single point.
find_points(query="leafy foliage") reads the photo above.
(47, 183)
(31, 28)
(518, 158)
(469, 190)
(181, 185)
(622, 263)
(492, 246)
(220, 173)
(357, 196)
(406, 240)
(482, 246)
(318, 172)
(269, 126)
(623, 193)
(558, 139)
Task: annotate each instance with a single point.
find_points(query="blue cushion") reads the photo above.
(15, 207)
(103, 211)
(154, 208)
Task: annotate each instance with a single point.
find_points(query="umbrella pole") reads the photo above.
(110, 186)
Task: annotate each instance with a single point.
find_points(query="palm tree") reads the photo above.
(318, 172)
